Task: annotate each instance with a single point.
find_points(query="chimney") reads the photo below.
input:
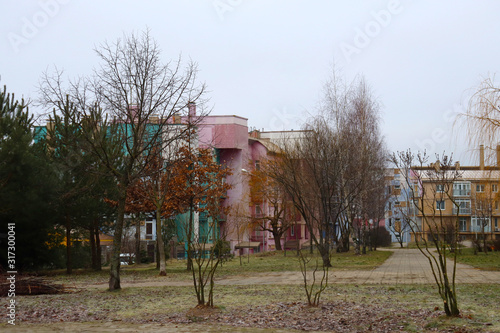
(498, 155)
(481, 157)
(437, 166)
(177, 118)
(192, 109)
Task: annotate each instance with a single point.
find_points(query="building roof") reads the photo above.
(462, 175)
(270, 146)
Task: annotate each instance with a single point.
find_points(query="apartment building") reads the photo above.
(467, 193)
(399, 209)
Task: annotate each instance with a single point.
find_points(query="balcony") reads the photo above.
(461, 192)
(463, 211)
(477, 228)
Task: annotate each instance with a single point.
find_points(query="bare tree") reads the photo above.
(267, 193)
(330, 174)
(239, 223)
(125, 111)
(314, 275)
(482, 118)
(431, 190)
(482, 207)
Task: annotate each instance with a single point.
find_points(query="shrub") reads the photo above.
(380, 237)
(495, 244)
(222, 249)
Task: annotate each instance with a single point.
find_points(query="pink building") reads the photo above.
(243, 153)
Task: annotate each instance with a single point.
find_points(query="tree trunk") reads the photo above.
(358, 242)
(325, 254)
(485, 247)
(189, 235)
(161, 245)
(138, 241)
(344, 244)
(93, 250)
(114, 271)
(277, 240)
(98, 248)
(69, 269)
(363, 240)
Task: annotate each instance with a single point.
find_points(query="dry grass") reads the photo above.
(407, 308)
(486, 261)
(256, 263)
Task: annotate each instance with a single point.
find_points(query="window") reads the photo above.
(440, 205)
(257, 165)
(397, 186)
(439, 187)
(292, 231)
(480, 188)
(464, 205)
(462, 224)
(397, 225)
(396, 204)
(480, 224)
(494, 187)
(149, 230)
(496, 204)
(390, 223)
(258, 211)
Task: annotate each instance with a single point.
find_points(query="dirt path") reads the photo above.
(405, 266)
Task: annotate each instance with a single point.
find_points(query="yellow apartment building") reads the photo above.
(469, 194)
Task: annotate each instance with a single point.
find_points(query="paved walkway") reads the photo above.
(404, 266)
(408, 266)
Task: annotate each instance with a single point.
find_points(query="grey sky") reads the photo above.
(267, 60)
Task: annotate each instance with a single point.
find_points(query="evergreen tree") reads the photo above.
(27, 186)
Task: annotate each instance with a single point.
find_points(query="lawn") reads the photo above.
(486, 261)
(255, 308)
(275, 261)
(344, 308)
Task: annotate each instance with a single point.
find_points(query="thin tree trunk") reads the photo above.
(93, 250)
(189, 235)
(98, 248)
(138, 241)
(311, 250)
(161, 245)
(69, 269)
(114, 271)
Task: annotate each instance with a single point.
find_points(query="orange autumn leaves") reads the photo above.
(193, 179)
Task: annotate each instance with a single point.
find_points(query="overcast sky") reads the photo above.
(267, 60)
